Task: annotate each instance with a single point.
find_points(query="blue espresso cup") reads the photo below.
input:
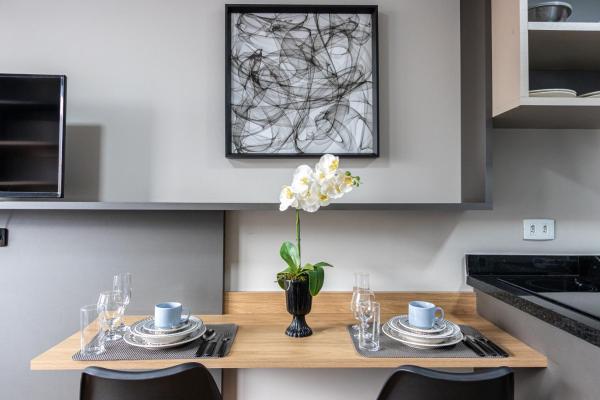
(421, 314)
(169, 315)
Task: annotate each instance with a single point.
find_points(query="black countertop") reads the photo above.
(576, 312)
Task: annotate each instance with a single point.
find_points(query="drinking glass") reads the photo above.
(111, 306)
(361, 282)
(122, 283)
(368, 339)
(362, 304)
(91, 334)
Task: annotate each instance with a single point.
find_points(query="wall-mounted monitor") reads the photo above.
(32, 133)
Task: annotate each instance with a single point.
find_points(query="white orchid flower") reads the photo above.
(326, 168)
(338, 185)
(303, 179)
(287, 198)
(309, 200)
(345, 181)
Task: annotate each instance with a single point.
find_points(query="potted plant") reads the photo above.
(309, 191)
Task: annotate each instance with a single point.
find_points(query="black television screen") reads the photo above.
(32, 129)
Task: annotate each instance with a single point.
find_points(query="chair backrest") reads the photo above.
(190, 381)
(415, 383)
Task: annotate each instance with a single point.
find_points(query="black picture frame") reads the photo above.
(295, 8)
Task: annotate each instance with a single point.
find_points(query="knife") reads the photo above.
(223, 348)
(210, 348)
(470, 344)
(488, 349)
(499, 350)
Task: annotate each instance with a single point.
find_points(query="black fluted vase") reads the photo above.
(299, 302)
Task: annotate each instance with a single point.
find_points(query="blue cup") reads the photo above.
(169, 315)
(422, 314)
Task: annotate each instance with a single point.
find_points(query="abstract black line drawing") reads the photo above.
(301, 83)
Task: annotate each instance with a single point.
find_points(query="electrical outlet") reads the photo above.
(538, 229)
(3, 237)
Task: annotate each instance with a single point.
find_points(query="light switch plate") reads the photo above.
(538, 229)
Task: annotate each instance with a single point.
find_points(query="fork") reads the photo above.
(220, 352)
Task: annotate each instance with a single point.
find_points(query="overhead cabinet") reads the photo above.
(529, 56)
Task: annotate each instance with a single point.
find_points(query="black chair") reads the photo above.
(414, 383)
(190, 381)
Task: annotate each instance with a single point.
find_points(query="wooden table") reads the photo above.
(261, 342)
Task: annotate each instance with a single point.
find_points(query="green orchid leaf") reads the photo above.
(281, 282)
(323, 264)
(289, 254)
(316, 277)
(308, 267)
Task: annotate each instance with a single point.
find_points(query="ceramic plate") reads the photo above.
(552, 93)
(451, 331)
(165, 338)
(150, 328)
(449, 342)
(133, 340)
(401, 322)
(591, 94)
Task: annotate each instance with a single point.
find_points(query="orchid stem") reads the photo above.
(298, 237)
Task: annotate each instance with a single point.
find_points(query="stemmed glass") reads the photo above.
(362, 305)
(111, 307)
(122, 283)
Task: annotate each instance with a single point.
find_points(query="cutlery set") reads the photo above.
(213, 345)
(483, 347)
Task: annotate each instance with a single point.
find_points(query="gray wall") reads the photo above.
(57, 262)
(146, 99)
(573, 364)
(537, 174)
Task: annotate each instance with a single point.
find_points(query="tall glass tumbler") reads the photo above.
(361, 285)
(370, 330)
(92, 333)
(122, 284)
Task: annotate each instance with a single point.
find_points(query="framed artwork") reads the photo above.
(301, 81)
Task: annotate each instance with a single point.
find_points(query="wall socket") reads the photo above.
(3, 237)
(538, 229)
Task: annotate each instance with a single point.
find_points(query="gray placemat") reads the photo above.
(119, 350)
(390, 348)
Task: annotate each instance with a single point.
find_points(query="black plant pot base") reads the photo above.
(298, 327)
(298, 303)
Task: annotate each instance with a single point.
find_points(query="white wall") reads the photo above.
(536, 174)
(146, 81)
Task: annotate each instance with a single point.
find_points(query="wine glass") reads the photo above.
(122, 283)
(111, 308)
(368, 338)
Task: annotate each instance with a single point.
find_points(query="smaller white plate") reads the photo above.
(401, 322)
(137, 341)
(552, 93)
(450, 342)
(591, 94)
(165, 338)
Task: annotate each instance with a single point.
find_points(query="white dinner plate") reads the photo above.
(552, 93)
(449, 342)
(451, 331)
(137, 329)
(591, 94)
(133, 340)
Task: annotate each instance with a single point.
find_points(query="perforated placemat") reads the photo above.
(119, 350)
(390, 348)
